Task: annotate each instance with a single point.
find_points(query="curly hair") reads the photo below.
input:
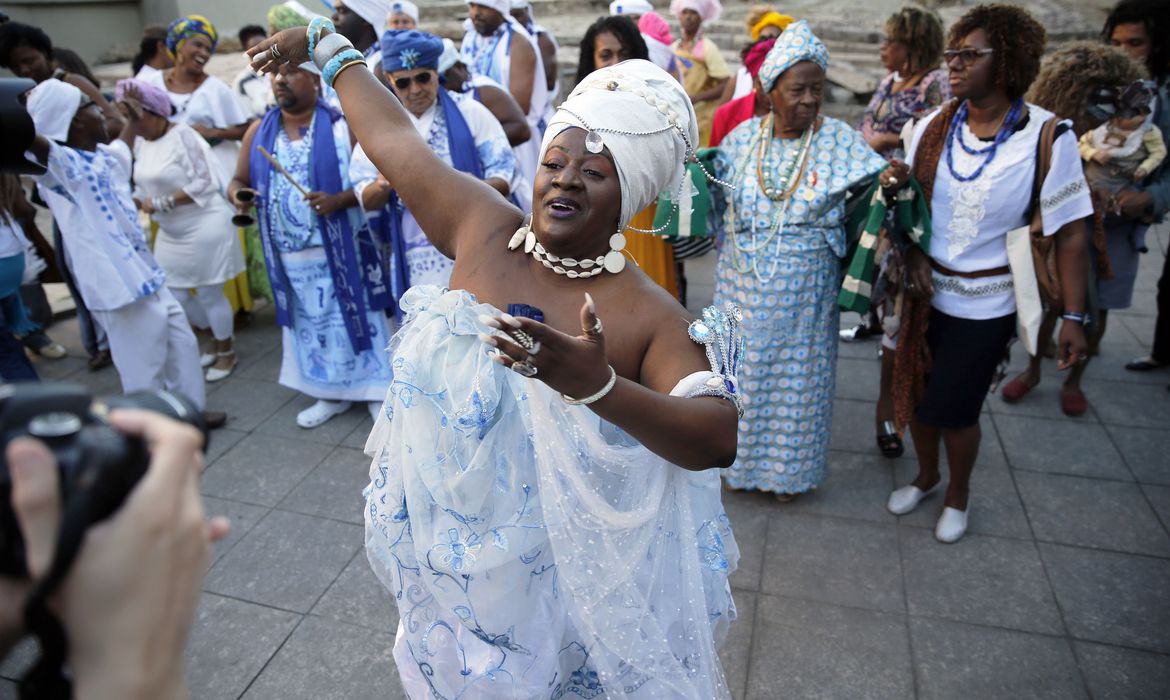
(627, 35)
(1017, 38)
(13, 35)
(1069, 76)
(921, 31)
(1155, 16)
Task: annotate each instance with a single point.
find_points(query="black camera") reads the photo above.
(17, 127)
(99, 466)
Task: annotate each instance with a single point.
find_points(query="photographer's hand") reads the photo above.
(138, 575)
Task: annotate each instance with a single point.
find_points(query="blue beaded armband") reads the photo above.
(341, 60)
(314, 31)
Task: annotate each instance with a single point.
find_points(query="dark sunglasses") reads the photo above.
(404, 83)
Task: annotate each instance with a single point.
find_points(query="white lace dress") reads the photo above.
(535, 551)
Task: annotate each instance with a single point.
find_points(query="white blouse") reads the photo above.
(971, 219)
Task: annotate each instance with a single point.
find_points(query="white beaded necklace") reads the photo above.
(613, 261)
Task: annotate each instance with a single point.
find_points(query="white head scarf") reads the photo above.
(404, 7)
(450, 56)
(644, 118)
(504, 7)
(52, 106)
(374, 12)
(521, 5)
(630, 7)
(709, 10)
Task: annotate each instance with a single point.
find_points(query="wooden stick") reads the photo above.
(284, 172)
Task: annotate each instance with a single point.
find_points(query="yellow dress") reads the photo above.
(652, 253)
(236, 289)
(704, 72)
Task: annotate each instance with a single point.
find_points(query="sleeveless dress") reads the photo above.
(534, 550)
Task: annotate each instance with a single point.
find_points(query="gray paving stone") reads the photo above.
(20, 659)
(811, 650)
(1160, 498)
(1146, 452)
(262, 469)
(1130, 405)
(357, 597)
(858, 378)
(1061, 447)
(283, 423)
(325, 659)
(221, 441)
(357, 437)
(843, 562)
(1043, 401)
(334, 488)
(1109, 597)
(1092, 513)
(857, 487)
(8, 690)
(735, 654)
(1114, 673)
(982, 580)
(230, 643)
(957, 661)
(263, 367)
(853, 431)
(243, 517)
(748, 513)
(994, 507)
(287, 561)
(62, 369)
(248, 402)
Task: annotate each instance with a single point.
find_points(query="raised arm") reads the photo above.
(447, 204)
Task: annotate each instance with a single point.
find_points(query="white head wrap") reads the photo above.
(630, 7)
(450, 56)
(644, 118)
(521, 5)
(709, 10)
(52, 106)
(504, 7)
(374, 12)
(403, 7)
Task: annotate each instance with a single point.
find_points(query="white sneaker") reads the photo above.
(952, 525)
(207, 359)
(907, 498)
(321, 412)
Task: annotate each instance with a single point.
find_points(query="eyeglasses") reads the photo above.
(967, 56)
(421, 79)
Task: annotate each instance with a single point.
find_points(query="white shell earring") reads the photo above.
(615, 262)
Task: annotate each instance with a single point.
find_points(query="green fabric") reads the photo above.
(282, 17)
(701, 203)
(911, 215)
(258, 282)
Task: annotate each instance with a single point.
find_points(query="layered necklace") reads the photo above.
(789, 175)
(953, 135)
(613, 262)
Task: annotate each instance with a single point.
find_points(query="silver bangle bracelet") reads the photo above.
(328, 47)
(596, 397)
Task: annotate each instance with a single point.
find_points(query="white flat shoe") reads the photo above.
(952, 524)
(320, 412)
(907, 498)
(214, 374)
(207, 359)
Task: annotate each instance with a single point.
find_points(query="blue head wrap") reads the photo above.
(797, 43)
(407, 49)
(184, 28)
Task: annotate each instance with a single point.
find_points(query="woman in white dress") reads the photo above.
(177, 185)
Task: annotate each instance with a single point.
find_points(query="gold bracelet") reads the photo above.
(342, 69)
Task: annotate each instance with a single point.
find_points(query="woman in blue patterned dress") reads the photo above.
(780, 260)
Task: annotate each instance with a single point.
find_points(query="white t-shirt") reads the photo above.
(971, 219)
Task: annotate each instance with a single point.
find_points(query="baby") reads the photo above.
(1124, 150)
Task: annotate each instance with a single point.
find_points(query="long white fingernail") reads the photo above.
(589, 303)
(510, 320)
(487, 339)
(489, 321)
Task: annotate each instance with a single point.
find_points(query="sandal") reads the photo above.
(1017, 389)
(889, 441)
(1143, 364)
(1073, 402)
(859, 332)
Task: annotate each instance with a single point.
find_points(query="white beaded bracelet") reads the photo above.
(596, 397)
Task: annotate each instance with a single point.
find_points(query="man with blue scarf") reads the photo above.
(328, 281)
(464, 134)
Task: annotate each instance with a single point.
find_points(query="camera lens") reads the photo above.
(54, 425)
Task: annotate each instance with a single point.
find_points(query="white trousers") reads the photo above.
(153, 347)
(207, 307)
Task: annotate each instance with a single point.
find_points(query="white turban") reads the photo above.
(52, 106)
(709, 10)
(630, 7)
(403, 7)
(374, 12)
(449, 57)
(521, 5)
(634, 96)
(504, 7)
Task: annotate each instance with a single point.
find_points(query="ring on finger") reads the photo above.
(596, 329)
(524, 369)
(275, 52)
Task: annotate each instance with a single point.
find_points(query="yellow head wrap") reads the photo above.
(772, 19)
